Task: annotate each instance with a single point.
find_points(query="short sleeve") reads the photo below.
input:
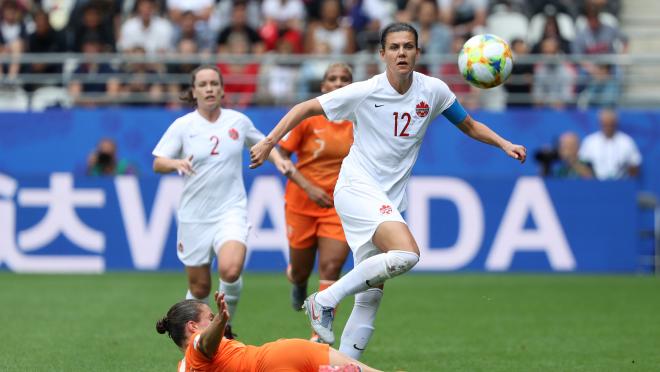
(341, 103)
(634, 157)
(171, 144)
(252, 134)
(443, 96)
(292, 140)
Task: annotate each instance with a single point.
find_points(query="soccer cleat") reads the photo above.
(321, 318)
(298, 294)
(228, 333)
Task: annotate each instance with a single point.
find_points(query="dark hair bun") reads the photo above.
(162, 325)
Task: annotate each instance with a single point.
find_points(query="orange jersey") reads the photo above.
(320, 145)
(281, 355)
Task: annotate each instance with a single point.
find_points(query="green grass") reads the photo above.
(426, 322)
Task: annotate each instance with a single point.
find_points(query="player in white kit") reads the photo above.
(390, 112)
(206, 147)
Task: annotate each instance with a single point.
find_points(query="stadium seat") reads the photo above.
(537, 23)
(48, 97)
(507, 24)
(13, 99)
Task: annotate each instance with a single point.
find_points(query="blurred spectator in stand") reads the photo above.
(551, 30)
(612, 153)
(222, 14)
(103, 161)
(554, 78)
(367, 18)
(278, 80)
(330, 30)
(91, 21)
(569, 165)
(282, 18)
(312, 71)
(434, 36)
(45, 40)
(189, 28)
(91, 83)
(144, 86)
(240, 78)
(185, 48)
(569, 7)
(450, 74)
(467, 16)
(603, 88)
(201, 9)
(239, 25)
(14, 35)
(519, 85)
(598, 38)
(146, 30)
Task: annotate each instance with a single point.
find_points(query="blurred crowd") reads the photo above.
(149, 30)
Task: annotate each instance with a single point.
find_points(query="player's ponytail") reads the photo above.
(174, 323)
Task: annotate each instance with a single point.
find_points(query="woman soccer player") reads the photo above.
(198, 334)
(313, 225)
(390, 112)
(206, 147)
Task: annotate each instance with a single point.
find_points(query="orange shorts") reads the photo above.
(292, 354)
(303, 231)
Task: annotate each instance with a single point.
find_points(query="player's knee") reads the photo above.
(300, 274)
(399, 262)
(369, 298)
(330, 269)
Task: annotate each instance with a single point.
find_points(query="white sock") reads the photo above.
(189, 296)
(360, 325)
(232, 293)
(367, 274)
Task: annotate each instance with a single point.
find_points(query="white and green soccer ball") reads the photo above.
(485, 61)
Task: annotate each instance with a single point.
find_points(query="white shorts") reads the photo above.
(197, 243)
(362, 207)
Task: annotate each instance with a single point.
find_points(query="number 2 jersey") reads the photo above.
(217, 159)
(388, 128)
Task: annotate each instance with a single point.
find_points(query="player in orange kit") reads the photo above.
(198, 334)
(312, 221)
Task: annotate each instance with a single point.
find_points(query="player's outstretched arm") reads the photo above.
(481, 132)
(210, 338)
(260, 152)
(282, 163)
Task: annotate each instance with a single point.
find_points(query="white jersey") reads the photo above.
(388, 128)
(610, 157)
(217, 150)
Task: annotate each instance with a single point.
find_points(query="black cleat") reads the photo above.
(298, 296)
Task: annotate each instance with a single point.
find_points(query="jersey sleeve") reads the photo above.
(292, 141)
(442, 95)
(252, 134)
(341, 103)
(634, 157)
(171, 143)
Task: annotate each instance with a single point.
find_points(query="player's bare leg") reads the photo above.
(199, 282)
(339, 359)
(301, 264)
(231, 258)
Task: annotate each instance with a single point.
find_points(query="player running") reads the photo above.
(390, 113)
(206, 147)
(198, 334)
(312, 222)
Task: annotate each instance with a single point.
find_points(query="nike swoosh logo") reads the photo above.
(375, 105)
(314, 316)
(368, 284)
(357, 348)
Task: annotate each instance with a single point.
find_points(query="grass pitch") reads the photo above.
(426, 322)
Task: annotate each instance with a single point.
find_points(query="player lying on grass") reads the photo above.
(199, 334)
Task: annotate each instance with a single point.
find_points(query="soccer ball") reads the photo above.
(485, 61)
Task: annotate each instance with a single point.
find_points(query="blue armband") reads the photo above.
(455, 113)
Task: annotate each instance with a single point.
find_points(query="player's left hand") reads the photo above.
(518, 152)
(223, 313)
(259, 152)
(285, 166)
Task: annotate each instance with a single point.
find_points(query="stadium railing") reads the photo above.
(631, 81)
